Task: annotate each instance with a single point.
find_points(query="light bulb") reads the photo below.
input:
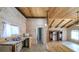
(45, 24)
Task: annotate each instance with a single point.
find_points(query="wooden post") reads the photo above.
(13, 48)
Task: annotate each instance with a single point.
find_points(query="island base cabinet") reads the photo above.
(18, 47)
(13, 48)
(5, 48)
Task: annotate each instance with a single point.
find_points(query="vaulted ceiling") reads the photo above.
(63, 17)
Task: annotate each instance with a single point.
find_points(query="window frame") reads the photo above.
(75, 34)
(9, 33)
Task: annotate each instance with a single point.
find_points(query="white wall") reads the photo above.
(33, 24)
(12, 16)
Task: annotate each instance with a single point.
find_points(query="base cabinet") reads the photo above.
(18, 48)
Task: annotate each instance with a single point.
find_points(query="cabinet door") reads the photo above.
(5, 48)
(18, 47)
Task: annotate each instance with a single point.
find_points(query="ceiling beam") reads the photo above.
(66, 23)
(59, 23)
(51, 23)
(72, 24)
(64, 14)
(56, 12)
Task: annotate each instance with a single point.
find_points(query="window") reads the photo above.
(10, 30)
(75, 34)
(14, 30)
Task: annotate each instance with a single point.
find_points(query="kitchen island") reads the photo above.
(13, 44)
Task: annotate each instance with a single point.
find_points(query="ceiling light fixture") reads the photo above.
(45, 24)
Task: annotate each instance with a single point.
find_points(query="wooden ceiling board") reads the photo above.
(68, 13)
(64, 12)
(71, 14)
(25, 11)
(56, 12)
(55, 15)
(52, 12)
(66, 23)
(34, 11)
(69, 23)
(38, 12)
(58, 23)
(52, 22)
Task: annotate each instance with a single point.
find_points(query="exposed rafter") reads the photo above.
(51, 23)
(59, 24)
(58, 11)
(71, 24)
(66, 24)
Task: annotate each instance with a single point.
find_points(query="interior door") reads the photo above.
(39, 35)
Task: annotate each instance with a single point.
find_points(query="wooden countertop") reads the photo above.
(9, 43)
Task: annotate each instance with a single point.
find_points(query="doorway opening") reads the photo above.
(40, 35)
(56, 36)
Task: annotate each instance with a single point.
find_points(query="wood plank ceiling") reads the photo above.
(34, 11)
(63, 17)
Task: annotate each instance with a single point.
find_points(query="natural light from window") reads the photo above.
(10, 30)
(75, 34)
